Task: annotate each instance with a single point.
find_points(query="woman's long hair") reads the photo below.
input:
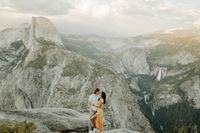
(103, 95)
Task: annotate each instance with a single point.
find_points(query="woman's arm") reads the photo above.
(99, 104)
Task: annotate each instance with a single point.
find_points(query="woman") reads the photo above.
(97, 118)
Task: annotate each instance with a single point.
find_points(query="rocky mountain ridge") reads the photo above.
(36, 71)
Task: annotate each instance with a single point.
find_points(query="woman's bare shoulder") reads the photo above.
(101, 100)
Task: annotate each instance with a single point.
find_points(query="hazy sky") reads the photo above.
(104, 17)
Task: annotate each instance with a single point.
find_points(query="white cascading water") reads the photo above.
(159, 75)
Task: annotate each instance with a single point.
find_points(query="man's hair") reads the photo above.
(96, 90)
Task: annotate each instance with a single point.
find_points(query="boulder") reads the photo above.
(48, 120)
(123, 130)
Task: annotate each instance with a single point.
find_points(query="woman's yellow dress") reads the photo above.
(99, 118)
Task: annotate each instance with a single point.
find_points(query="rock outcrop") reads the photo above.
(47, 120)
(43, 30)
(131, 62)
(121, 131)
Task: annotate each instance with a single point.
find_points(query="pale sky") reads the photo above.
(104, 17)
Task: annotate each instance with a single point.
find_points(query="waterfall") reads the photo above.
(161, 127)
(153, 112)
(145, 98)
(159, 75)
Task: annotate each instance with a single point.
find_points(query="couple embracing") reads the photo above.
(95, 104)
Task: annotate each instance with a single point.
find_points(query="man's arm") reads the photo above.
(89, 104)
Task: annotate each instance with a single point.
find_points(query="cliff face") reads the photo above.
(131, 62)
(44, 30)
(36, 71)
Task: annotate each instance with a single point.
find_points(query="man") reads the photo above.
(93, 99)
